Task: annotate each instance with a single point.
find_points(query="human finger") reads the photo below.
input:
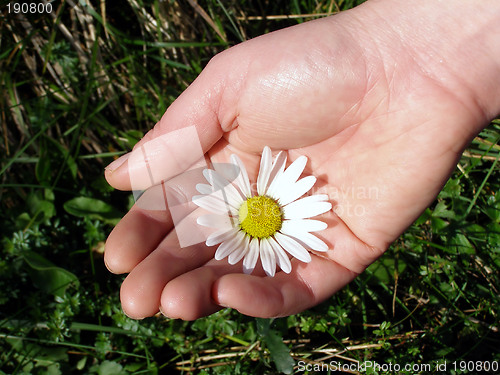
(142, 289)
(284, 294)
(151, 218)
(134, 237)
(187, 130)
(189, 296)
(307, 285)
(207, 289)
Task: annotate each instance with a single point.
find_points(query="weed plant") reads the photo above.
(83, 83)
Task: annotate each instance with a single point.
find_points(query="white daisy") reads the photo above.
(270, 223)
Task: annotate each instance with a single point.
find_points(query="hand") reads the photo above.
(380, 100)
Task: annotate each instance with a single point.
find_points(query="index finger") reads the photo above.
(149, 221)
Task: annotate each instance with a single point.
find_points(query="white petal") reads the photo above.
(315, 198)
(281, 257)
(230, 194)
(276, 172)
(293, 172)
(215, 221)
(293, 247)
(204, 189)
(309, 240)
(241, 251)
(217, 203)
(228, 171)
(242, 180)
(289, 176)
(282, 183)
(207, 189)
(228, 247)
(220, 236)
(251, 257)
(264, 170)
(305, 208)
(302, 225)
(296, 190)
(211, 203)
(267, 257)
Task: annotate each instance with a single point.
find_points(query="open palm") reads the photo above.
(382, 131)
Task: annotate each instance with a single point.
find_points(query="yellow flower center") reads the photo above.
(260, 216)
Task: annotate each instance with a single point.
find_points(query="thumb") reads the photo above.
(187, 130)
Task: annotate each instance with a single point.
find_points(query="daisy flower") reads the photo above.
(267, 223)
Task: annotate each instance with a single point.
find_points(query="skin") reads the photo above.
(382, 99)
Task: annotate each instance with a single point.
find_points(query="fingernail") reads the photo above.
(219, 301)
(223, 305)
(161, 312)
(133, 317)
(114, 165)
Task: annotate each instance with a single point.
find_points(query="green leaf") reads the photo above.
(93, 209)
(263, 325)
(41, 356)
(476, 231)
(47, 276)
(424, 217)
(437, 224)
(23, 221)
(451, 189)
(80, 365)
(48, 357)
(493, 208)
(462, 244)
(280, 353)
(385, 268)
(41, 209)
(110, 368)
(441, 210)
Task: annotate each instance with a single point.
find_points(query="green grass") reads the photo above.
(70, 103)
